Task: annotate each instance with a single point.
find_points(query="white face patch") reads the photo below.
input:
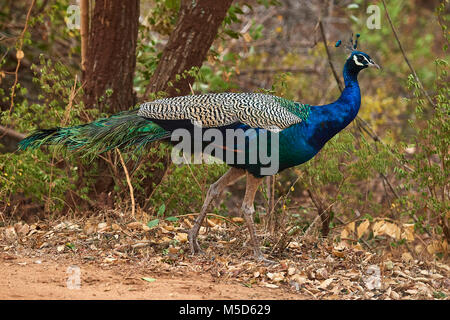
(356, 61)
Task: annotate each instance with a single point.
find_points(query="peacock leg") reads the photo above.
(248, 210)
(214, 193)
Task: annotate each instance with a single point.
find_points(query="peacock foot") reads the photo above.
(260, 258)
(193, 244)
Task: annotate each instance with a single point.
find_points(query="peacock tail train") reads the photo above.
(121, 130)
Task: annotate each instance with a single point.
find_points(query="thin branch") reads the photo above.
(405, 57)
(130, 186)
(324, 39)
(19, 59)
(84, 32)
(276, 70)
(12, 133)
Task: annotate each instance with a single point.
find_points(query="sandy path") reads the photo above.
(23, 278)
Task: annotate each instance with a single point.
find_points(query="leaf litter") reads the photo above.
(313, 267)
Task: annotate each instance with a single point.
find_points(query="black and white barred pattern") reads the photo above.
(220, 109)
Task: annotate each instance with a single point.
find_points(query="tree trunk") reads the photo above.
(108, 64)
(111, 55)
(196, 28)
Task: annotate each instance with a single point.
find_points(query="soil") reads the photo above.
(26, 278)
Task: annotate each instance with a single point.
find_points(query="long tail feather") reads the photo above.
(121, 130)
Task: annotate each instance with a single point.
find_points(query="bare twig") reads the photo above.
(405, 57)
(12, 133)
(129, 183)
(276, 70)
(84, 31)
(324, 39)
(19, 59)
(147, 203)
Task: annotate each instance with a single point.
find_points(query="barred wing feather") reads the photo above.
(220, 109)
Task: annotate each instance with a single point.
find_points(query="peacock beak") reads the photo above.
(373, 64)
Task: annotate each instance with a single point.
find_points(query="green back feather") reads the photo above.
(299, 109)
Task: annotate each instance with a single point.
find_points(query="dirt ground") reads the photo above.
(25, 278)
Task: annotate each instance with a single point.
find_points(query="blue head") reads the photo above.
(357, 60)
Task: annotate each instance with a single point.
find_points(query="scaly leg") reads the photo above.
(214, 193)
(248, 210)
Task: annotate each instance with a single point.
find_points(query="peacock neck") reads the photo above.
(326, 121)
(350, 75)
(350, 100)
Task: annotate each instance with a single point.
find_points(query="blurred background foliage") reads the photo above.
(263, 45)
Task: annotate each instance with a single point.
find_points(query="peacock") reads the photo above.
(290, 133)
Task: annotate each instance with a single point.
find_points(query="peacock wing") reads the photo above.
(256, 110)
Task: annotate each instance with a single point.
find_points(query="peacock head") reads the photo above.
(357, 60)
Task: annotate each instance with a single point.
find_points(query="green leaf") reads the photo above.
(148, 279)
(172, 219)
(153, 223)
(173, 4)
(161, 210)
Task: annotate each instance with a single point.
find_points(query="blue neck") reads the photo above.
(350, 99)
(326, 121)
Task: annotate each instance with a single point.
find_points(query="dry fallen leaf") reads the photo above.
(276, 276)
(247, 37)
(389, 265)
(181, 236)
(210, 223)
(134, 225)
(300, 279)
(169, 227)
(339, 250)
(394, 295)
(102, 227)
(407, 257)
(437, 247)
(174, 250)
(362, 228)
(326, 283)
(291, 271)
(408, 231)
(382, 227)
(293, 245)
(23, 230)
(321, 274)
(10, 234)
